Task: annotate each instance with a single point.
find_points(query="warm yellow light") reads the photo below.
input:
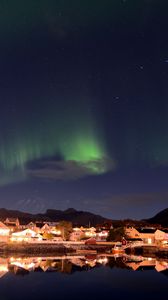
(90, 234)
(58, 232)
(11, 258)
(20, 239)
(102, 233)
(4, 231)
(3, 268)
(102, 260)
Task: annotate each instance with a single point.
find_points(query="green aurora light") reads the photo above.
(75, 137)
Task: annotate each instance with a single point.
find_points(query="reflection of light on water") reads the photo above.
(103, 260)
(117, 255)
(11, 259)
(135, 261)
(23, 265)
(3, 268)
(91, 263)
(161, 266)
(31, 263)
(39, 259)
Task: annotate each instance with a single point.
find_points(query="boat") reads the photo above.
(118, 248)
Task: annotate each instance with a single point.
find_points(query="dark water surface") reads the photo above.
(86, 277)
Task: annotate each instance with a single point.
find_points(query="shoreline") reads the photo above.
(27, 248)
(63, 249)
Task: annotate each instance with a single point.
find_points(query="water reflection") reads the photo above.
(71, 264)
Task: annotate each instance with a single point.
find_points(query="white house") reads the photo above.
(47, 228)
(12, 223)
(146, 234)
(26, 235)
(76, 234)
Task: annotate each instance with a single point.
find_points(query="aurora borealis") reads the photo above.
(68, 134)
(83, 106)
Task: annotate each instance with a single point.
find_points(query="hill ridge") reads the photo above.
(70, 214)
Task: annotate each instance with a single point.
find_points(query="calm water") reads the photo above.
(84, 277)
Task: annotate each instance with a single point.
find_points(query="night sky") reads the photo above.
(84, 106)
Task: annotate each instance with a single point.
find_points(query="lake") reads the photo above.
(83, 277)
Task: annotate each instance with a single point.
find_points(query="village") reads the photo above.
(12, 231)
(39, 246)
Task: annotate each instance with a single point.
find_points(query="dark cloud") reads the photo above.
(54, 169)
